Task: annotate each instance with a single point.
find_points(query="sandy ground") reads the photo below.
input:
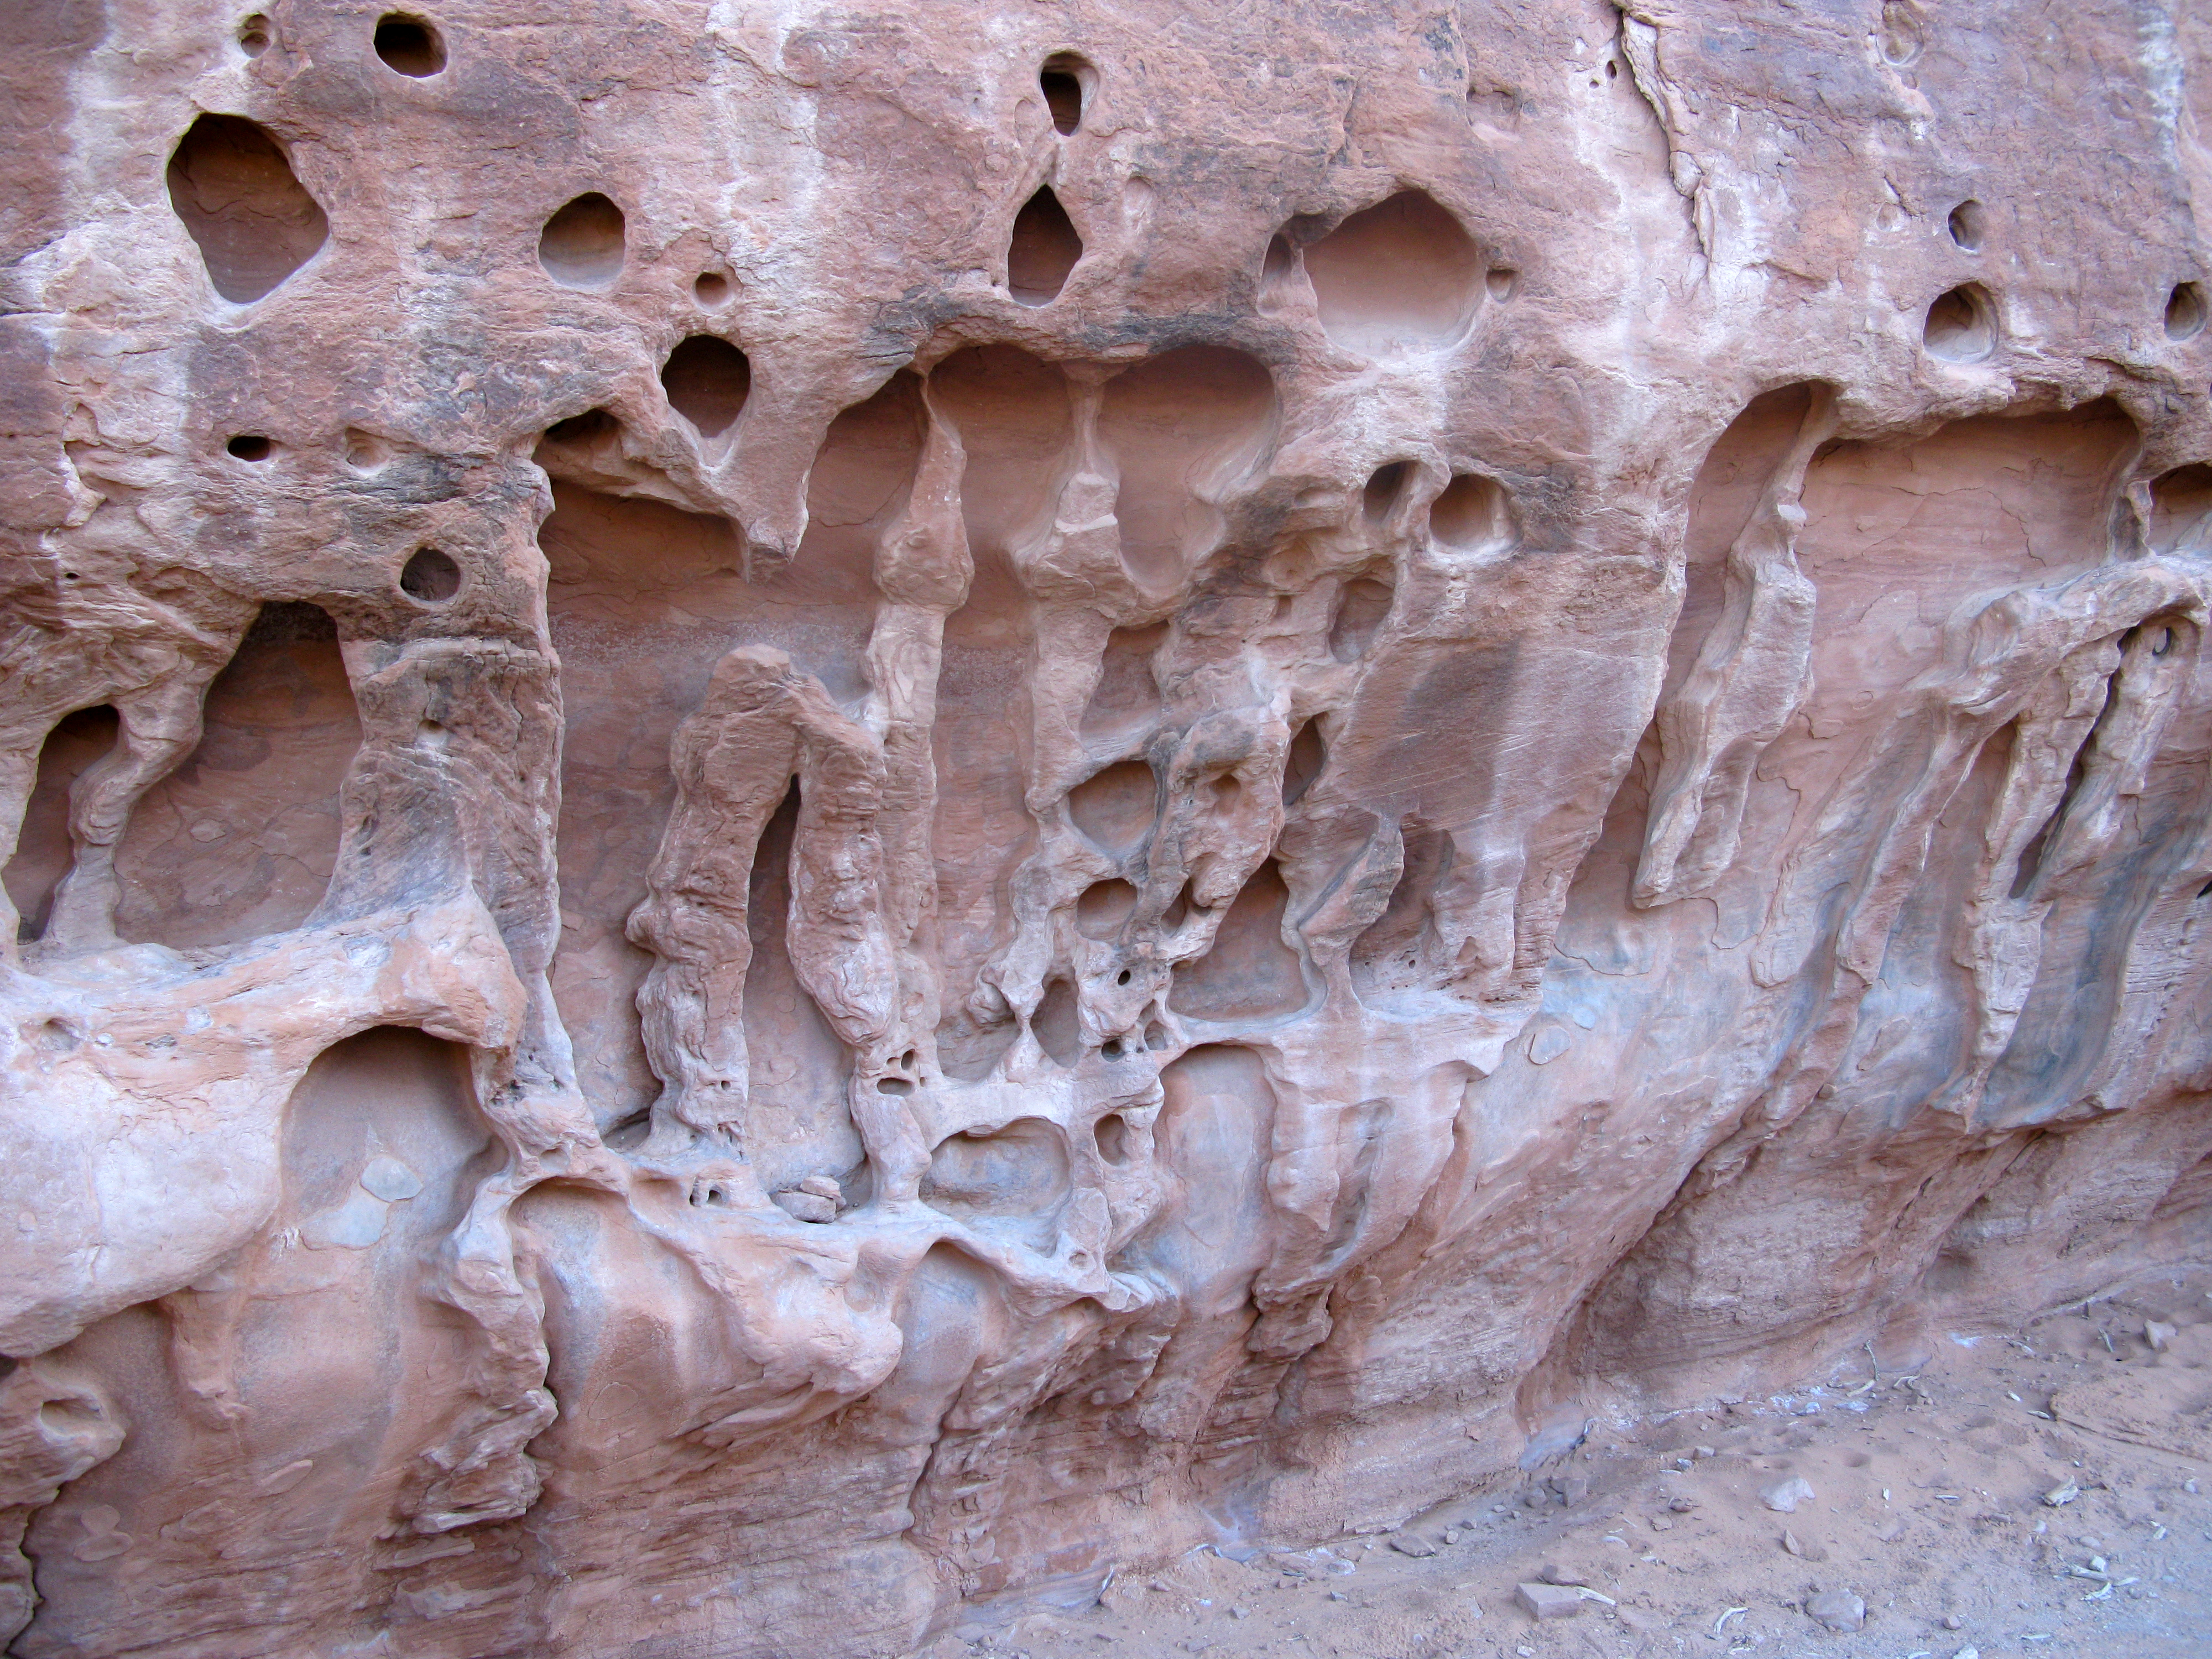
(2044, 1493)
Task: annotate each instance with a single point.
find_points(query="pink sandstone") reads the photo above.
(822, 816)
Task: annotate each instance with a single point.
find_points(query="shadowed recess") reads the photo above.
(582, 245)
(708, 380)
(1401, 275)
(1042, 250)
(255, 222)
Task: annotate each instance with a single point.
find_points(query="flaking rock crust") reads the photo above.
(822, 813)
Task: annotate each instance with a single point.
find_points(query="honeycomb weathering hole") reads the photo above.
(1401, 275)
(708, 380)
(254, 35)
(1065, 80)
(1472, 515)
(250, 446)
(1042, 250)
(408, 46)
(1968, 223)
(1961, 326)
(255, 222)
(582, 245)
(430, 576)
(1115, 808)
(2185, 312)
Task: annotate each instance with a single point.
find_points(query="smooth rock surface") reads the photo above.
(821, 817)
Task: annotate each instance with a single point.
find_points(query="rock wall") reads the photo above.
(822, 814)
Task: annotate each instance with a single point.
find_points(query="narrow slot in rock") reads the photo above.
(43, 851)
(408, 46)
(582, 245)
(1303, 763)
(1401, 275)
(708, 380)
(255, 222)
(1961, 326)
(797, 1123)
(1042, 250)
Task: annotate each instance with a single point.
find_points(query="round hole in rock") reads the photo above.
(254, 35)
(408, 45)
(708, 380)
(2185, 312)
(1401, 275)
(1042, 250)
(1112, 1136)
(1064, 80)
(713, 288)
(1961, 326)
(250, 446)
(235, 192)
(430, 576)
(1969, 222)
(1501, 282)
(1473, 515)
(1104, 906)
(582, 245)
(1383, 486)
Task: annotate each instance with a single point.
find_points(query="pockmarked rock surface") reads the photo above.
(823, 815)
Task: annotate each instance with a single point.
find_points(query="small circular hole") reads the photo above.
(713, 288)
(1121, 978)
(1969, 223)
(254, 35)
(2185, 312)
(408, 46)
(1961, 325)
(1501, 282)
(430, 576)
(250, 446)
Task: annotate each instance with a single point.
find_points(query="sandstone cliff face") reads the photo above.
(824, 813)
